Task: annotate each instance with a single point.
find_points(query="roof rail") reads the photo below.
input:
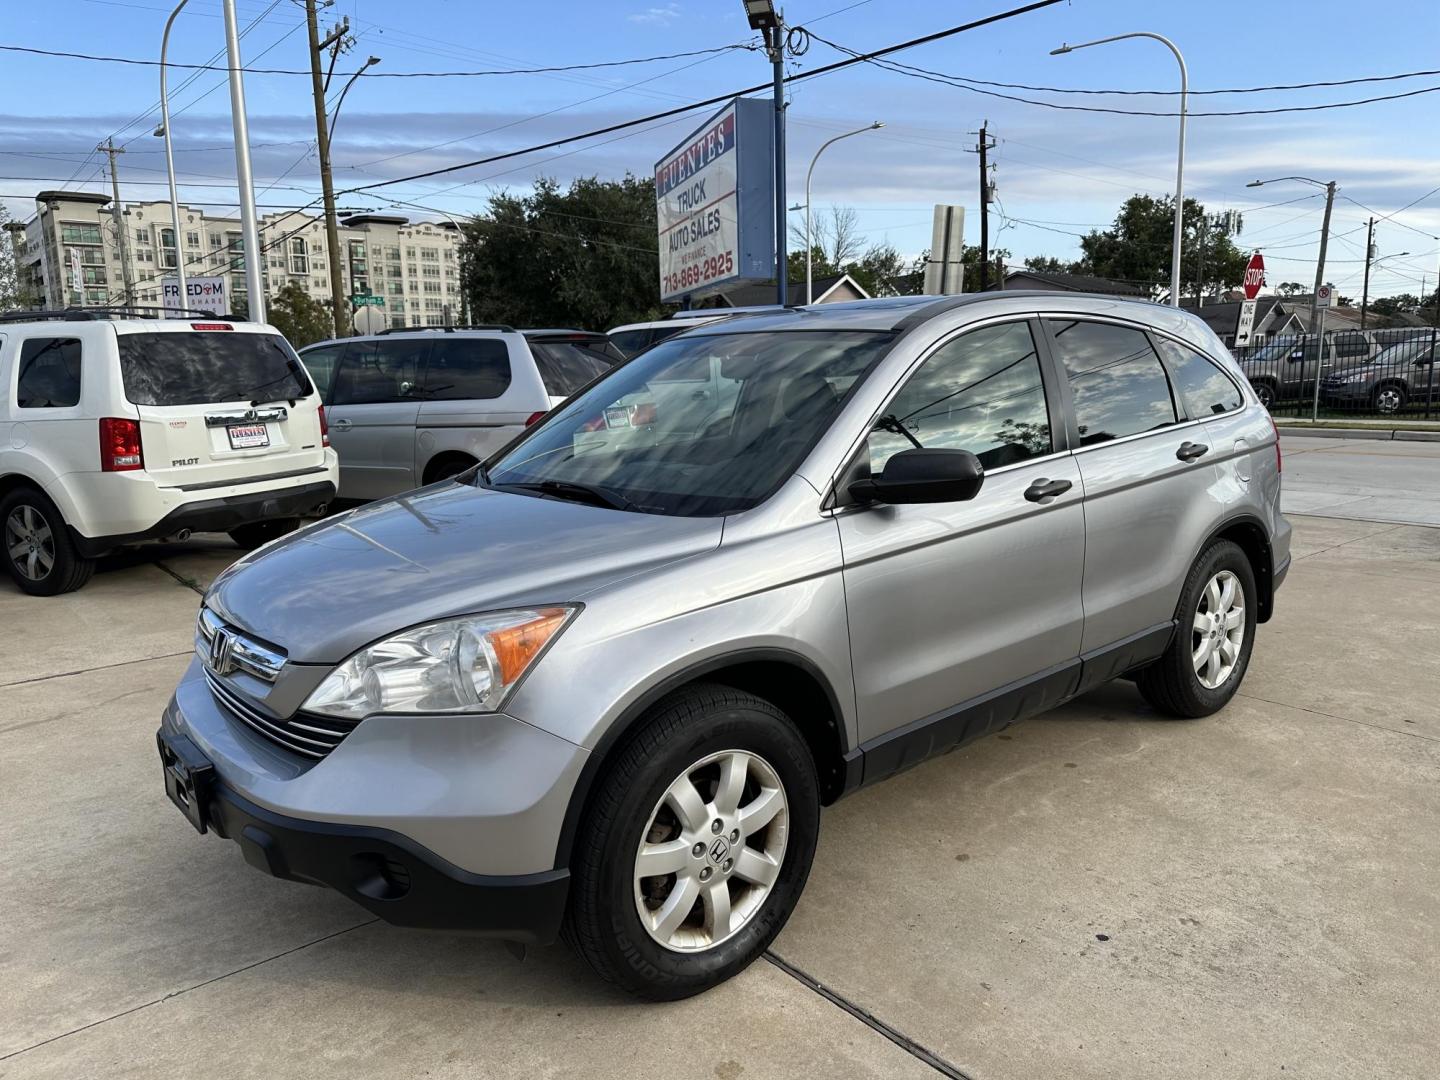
(501, 327)
(95, 314)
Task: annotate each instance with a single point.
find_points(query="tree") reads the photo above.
(1048, 264)
(970, 260)
(879, 269)
(1393, 305)
(1290, 288)
(301, 319)
(9, 281)
(583, 256)
(1137, 249)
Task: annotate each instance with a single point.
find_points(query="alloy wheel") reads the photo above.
(711, 851)
(30, 542)
(1388, 400)
(1218, 630)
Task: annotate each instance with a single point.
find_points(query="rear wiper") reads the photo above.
(570, 489)
(263, 385)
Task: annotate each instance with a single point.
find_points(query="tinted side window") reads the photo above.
(981, 392)
(566, 367)
(1118, 384)
(379, 370)
(1202, 386)
(468, 369)
(321, 364)
(631, 342)
(49, 374)
(1351, 345)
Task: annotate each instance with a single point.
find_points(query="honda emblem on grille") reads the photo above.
(222, 648)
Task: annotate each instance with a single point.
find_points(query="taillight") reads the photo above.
(120, 449)
(533, 418)
(324, 428)
(1279, 461)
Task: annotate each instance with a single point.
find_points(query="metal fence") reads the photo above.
(1375, 374)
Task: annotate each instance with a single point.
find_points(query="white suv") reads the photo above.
(116, 429)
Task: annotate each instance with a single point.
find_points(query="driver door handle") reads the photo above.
(1189, 451)
(1043, 490)
(340, 425)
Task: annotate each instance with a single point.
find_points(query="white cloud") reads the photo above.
(662, 15)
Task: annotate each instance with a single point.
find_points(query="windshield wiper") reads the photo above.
(578, 492)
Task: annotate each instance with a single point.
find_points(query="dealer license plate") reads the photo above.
(247, 436)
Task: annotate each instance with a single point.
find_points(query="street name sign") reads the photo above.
(715, 202)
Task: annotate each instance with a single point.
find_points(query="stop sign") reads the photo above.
(1254, 276)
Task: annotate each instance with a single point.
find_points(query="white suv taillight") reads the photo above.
(120, 449)
(324, 428)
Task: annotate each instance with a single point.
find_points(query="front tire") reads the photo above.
(38, 551)
(665, 902)
(1207, 659)
(1265, 392)
(1388, 399)
(255, 533)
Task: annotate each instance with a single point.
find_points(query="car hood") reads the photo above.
(1354, 369)
(331, 588)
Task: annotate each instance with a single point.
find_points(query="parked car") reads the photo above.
(634, 338)
(409, 407)
(1401, 375)
(608, 680)
(117, 429)
(1284, 368)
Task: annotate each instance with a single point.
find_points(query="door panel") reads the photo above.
(949, 601)
(373, 415)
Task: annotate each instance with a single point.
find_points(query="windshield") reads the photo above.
(696, 426)
(198, 368)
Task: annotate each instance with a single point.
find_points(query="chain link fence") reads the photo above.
(1372, 374)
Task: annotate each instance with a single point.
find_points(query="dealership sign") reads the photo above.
(714, 196)
(205, 294)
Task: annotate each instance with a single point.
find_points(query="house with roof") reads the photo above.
(829, 289)
(1273, 315)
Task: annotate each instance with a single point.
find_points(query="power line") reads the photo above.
(1391, 216)
(134, 61)
(959, 83)
(720, 98)
(1192, 92)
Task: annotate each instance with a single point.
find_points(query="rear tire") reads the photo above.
(706, 754)
(255, 533)
(1205, 663)
(444, 468)
(1266, 393)
(38, 551)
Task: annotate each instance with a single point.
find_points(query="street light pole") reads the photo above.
(809, 240)
(782, 255)
(244, 179)
(1180, 157)
(183, 300)
(1330, 190)
(335, 112)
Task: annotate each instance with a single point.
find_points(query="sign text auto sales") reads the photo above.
(698, 193)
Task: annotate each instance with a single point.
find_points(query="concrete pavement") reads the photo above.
(1095, 893)
(1363, 480)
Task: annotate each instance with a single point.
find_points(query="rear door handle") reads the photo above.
(341, 425)
(1189, 451)
(1043, 490)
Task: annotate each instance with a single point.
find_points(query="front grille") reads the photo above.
(311, 736)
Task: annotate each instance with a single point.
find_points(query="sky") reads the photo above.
(1059, 173)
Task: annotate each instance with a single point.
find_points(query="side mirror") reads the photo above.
(923, 476)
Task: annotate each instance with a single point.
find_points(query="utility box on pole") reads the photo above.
(945, 271)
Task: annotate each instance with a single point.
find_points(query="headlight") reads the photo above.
(455, 666)
(1359, 376)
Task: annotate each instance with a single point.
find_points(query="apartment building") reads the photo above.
(412, 266)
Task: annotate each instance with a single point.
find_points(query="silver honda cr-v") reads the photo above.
(604, 682)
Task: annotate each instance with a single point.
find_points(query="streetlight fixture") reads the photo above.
(164, 130)
(1330, 190)
(809, 241)
(761, 14)
(1180, 157)
(335, 112)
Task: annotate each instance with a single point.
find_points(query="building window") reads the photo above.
(236, 245)
(216, 241)
(429, 255)
(142, 235)
(299, 255)
(94, 275)
(79, 234)
(410, 253)
(430, 271)
(169, 257)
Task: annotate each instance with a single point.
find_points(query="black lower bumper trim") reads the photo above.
(391, 875)
(217, 515)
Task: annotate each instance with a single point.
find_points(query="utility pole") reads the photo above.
(776, 48)
(1369, 255)
(125, 276)
(1320, 262)
(335, 40)
(982, 148)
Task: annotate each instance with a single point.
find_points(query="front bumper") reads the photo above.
(218, 515)
(389, 874)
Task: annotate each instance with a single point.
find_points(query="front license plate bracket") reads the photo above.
(189, 776)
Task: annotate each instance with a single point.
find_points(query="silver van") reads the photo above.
(606, 681)
(409, 407)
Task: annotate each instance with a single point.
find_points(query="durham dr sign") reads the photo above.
(715, 204)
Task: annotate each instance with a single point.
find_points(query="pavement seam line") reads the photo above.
(1337, 716)
(102, 667)
(869, 1019)
(178, 993)
(182, 580)
(1347, 543)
